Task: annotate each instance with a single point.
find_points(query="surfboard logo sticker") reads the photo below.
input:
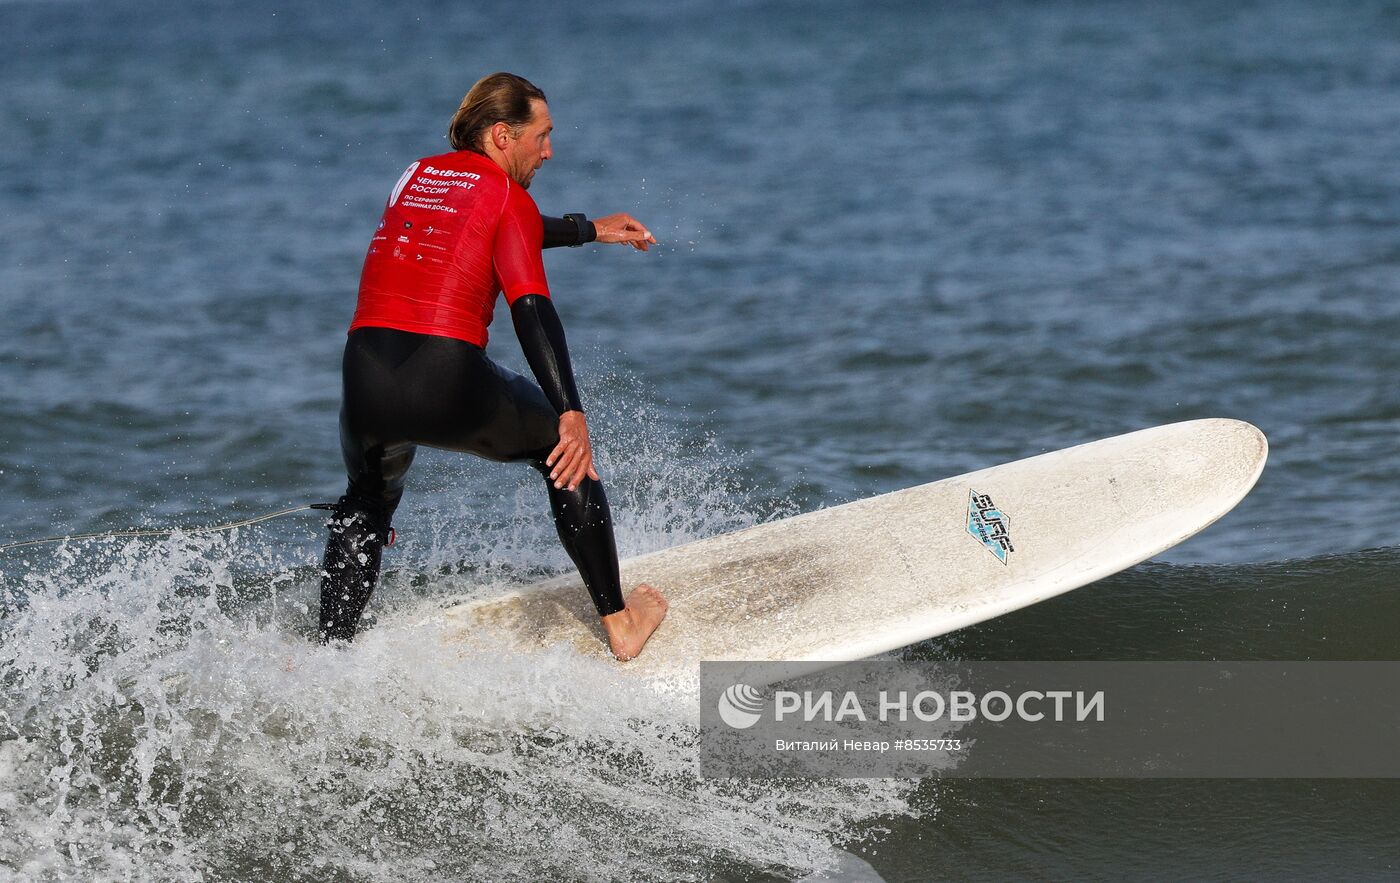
(988, 524)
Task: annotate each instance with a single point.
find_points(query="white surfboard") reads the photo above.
(870, 576)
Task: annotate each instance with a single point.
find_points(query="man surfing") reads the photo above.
(458, 230)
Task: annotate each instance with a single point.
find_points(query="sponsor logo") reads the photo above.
(402, 182)
(741, 706)
(987, 523)
(448, 173)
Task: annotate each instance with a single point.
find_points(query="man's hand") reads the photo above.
(623, 228)
(572, 458)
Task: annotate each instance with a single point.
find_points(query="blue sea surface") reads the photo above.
(898, 241)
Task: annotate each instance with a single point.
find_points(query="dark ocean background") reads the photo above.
(899, 241)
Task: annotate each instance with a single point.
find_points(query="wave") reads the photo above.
(166, 717)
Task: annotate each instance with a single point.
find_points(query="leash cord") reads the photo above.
(165, 532)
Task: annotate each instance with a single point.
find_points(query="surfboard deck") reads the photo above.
(880, 573)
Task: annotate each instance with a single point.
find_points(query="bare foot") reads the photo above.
(629, 628)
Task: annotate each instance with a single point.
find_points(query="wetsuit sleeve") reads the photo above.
(562, 231)
(520, 270)
(542, 339)
(516, 256)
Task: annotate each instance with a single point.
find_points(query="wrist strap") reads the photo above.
(581, 222)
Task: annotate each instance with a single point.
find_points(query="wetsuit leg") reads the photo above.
(525, 427)
(404, 389)
(584, 523)
(350, 568)
(376, 459)
(359, 529)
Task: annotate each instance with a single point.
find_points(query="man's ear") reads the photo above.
(500, 135)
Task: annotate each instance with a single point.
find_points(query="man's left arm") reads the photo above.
(575, 230)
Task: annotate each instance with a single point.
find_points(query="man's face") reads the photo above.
(526, 153)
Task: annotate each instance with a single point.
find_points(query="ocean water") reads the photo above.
(899, 241)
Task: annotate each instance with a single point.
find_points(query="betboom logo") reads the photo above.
(741, 706)
(449, 173)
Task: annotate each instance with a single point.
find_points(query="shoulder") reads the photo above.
(457, 160)
(463, 165)
(520, 205)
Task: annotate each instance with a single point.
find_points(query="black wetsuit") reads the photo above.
(403, 389)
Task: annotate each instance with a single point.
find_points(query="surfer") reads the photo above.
(458, 230)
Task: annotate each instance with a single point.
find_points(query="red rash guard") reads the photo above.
(456, 232)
